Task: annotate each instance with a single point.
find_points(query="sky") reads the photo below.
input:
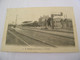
(33, 14)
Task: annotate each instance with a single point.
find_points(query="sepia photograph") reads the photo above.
(40, 29)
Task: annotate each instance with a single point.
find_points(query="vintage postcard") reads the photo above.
(40, 29)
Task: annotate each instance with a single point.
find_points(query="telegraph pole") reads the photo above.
(16, 21)
(52, 20)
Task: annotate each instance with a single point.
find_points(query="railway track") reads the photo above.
(19, 38)
(35, 38)
(51, 34)
(29, 40)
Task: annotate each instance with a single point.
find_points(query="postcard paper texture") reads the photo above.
(40, 29)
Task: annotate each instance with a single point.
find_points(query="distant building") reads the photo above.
(27, 23)
(50, 23)
(68, 23)
(58, 23)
